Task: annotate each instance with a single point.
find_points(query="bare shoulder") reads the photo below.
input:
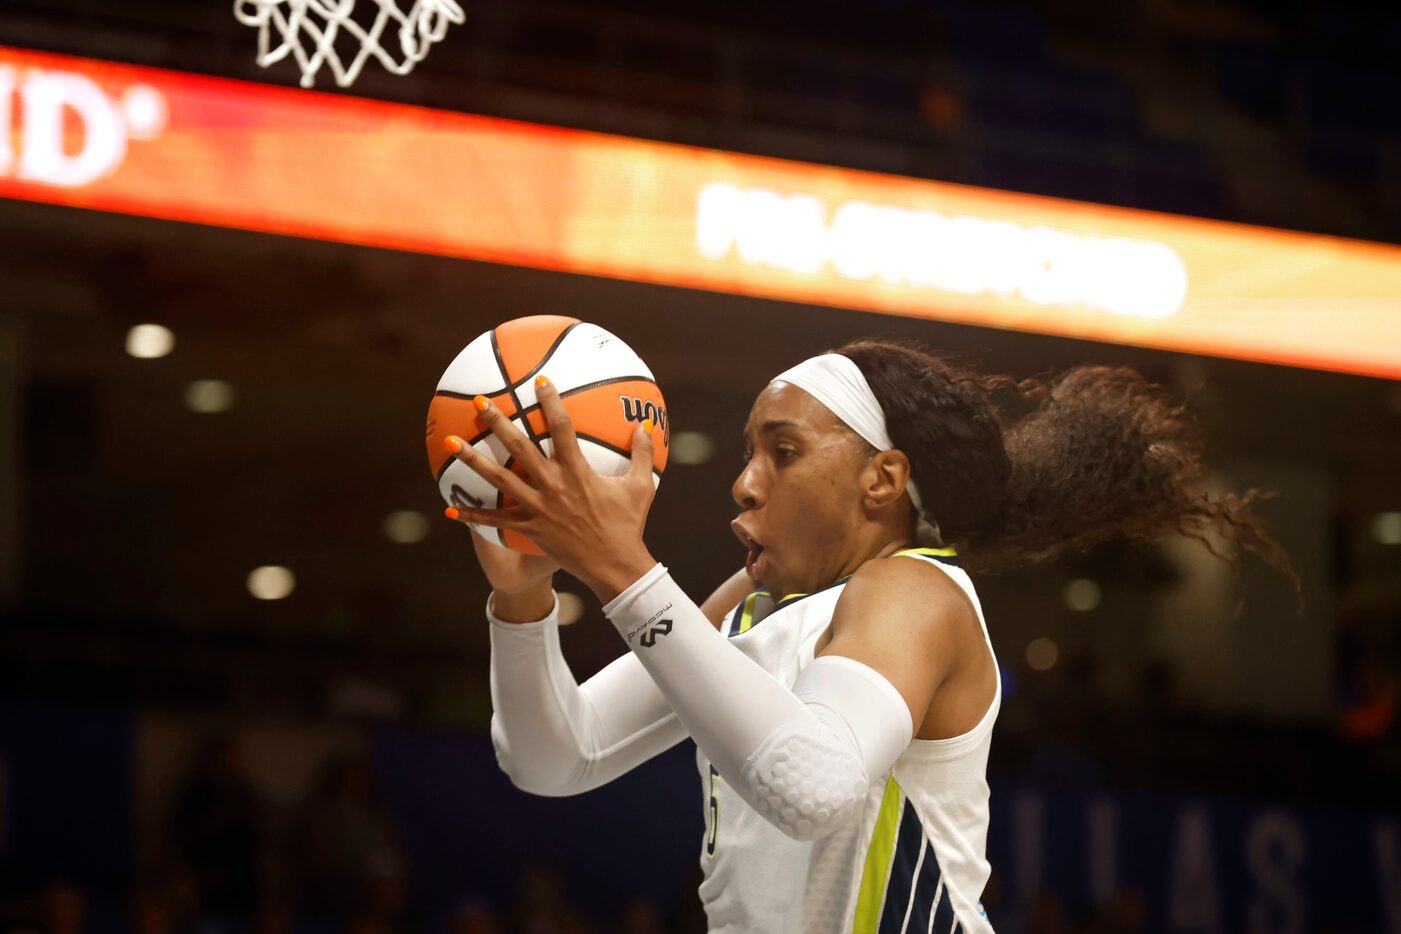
(906, 620)
(901, 593)
(734, 589)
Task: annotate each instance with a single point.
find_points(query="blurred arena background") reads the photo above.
(243, 658)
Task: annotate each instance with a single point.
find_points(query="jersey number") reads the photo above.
(713, 815)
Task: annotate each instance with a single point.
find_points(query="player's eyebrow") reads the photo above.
(774, 424)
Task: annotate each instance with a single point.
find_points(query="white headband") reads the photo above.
(838, 383)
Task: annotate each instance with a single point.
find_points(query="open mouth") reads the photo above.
(753, 560)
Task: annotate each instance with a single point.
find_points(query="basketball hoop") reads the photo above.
(308, 30)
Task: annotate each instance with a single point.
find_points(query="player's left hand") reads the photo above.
(592, 525)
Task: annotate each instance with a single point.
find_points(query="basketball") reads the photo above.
(603, 383)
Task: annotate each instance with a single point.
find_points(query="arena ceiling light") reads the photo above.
(209, 396)
(271, 582)
(692, 447)
(1386, 528)
(1081, 594)
(1042, 654)
(406, 526)
(149, 341)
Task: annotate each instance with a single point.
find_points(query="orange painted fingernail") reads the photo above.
(541, 382)
(452, 444)
(481, 403)
(451, 512)
(647, 425)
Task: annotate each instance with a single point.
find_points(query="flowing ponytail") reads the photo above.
(1096, 455)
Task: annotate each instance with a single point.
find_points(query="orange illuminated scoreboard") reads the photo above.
(144, 141)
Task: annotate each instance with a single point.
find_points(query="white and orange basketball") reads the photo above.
(604, 385)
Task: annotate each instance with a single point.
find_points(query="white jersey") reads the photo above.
(915, 862)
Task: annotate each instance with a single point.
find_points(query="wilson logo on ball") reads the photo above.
(635, 410)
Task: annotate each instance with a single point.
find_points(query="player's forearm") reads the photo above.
(556, 737)
(802, 758)
(713, 686)
(534, 718)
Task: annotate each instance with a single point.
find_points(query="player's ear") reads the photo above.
(886, 476)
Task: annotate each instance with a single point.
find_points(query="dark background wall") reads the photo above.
(246, 736)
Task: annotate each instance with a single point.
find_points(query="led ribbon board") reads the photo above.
(145, 141)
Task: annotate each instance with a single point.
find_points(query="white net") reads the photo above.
(310, 31)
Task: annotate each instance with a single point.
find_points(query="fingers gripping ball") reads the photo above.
(604, 385)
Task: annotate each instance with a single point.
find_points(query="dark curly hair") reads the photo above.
(1095, 455)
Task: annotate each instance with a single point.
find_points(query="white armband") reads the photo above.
(804, 758)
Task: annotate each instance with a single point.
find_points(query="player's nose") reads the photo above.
(745, 490)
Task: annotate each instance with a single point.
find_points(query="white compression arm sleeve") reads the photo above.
(803, 758)
(554, 736)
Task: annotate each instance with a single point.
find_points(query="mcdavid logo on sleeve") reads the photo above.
(660, 628)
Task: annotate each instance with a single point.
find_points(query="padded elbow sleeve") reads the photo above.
(812, 776)
(805, 781)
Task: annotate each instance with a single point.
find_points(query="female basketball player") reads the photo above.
(843, 709)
